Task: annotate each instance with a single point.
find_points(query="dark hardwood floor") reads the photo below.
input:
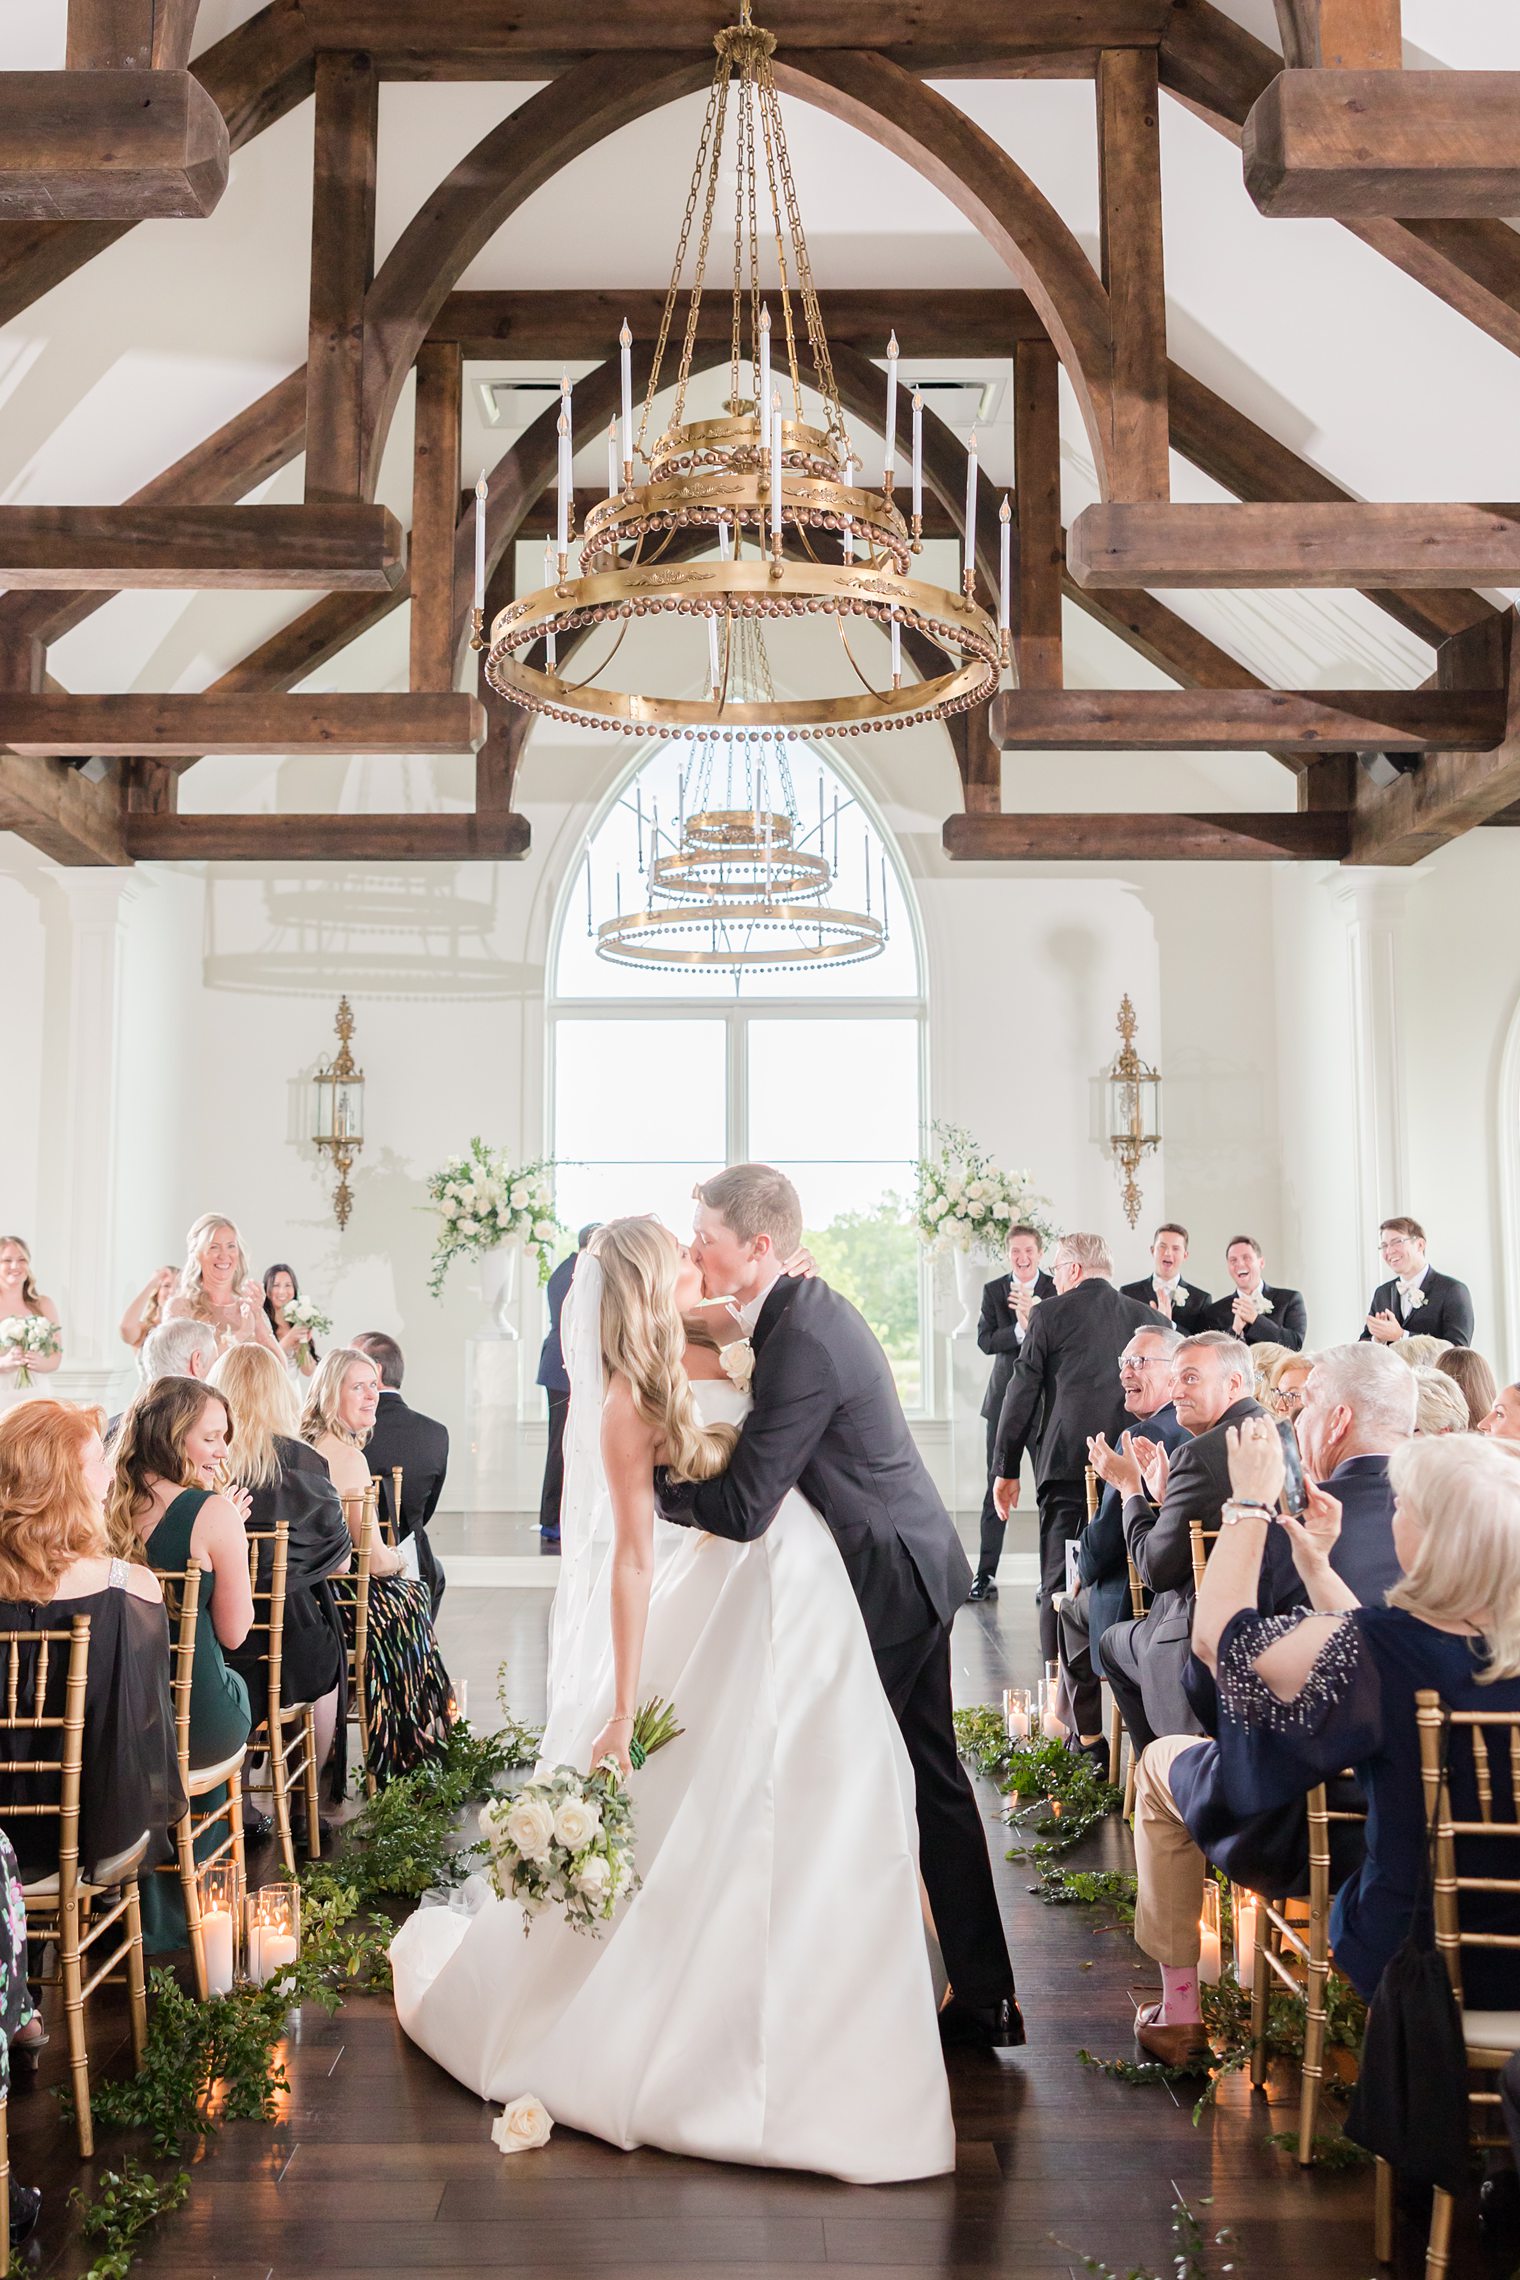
(380, 2164)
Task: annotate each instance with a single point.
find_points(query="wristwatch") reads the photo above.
(1238, 1509)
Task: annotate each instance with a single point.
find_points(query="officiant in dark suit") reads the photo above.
(1007, 1304)
(826, 1420)
(1256, 1311)
(1065, 1389)
(1418, 1302)
(1184, 1304)
(419, 1445)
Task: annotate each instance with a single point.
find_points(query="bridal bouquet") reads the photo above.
(966, 1203)
(565, 1839)
(482, 1202)
(305, 1315)
(29, 1334)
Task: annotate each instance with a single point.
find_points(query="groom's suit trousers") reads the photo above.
(956, 1866)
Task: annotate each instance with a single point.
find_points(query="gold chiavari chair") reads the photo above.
(288, 1730)
(352, 1592)
(1139, 1603)
(1492, 2037)
(1200, 1539)
(182, 1589)
(55, 1905)
(1293, 1946)
(390, 1520)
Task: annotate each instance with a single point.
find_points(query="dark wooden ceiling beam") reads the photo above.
(1258, 546)
(109, 146)
(61, 813)
(1355, 145)
(1449, 792)
(124, 548)
(457, 836)
(1219, 71)
(164, 726)
(1131, 264)
(342, 270)
(1246, 720)
(435, 512)
(129, 35)
(510, 326)
(1146, 838)
(1341, 35)
(1037, 499)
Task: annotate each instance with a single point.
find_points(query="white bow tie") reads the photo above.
(1410, 1292)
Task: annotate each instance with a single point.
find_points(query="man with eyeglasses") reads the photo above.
(1102, 1596)
(1418, 1301)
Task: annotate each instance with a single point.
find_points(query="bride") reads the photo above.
(766, 1994)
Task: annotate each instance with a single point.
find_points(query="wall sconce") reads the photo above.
(1134, 1109)
(338, 1123)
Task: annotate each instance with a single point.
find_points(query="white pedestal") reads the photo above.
(493, 1417)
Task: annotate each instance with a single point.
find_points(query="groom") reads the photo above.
(827, 1420)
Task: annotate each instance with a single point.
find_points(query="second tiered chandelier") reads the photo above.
(769, 490)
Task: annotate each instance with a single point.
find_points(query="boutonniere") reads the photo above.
(737, 1362)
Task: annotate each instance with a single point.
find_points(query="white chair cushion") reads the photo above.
(1492, 2030)
(204, 1777)
(109, 1872)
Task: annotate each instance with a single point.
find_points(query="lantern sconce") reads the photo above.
(1134, 1109)
(338, 1123)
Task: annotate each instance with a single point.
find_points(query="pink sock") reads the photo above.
(1179, 1996)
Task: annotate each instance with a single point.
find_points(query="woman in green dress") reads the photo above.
(165, 1510)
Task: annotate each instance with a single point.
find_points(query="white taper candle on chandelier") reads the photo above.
(918, 456)
(712, 649)
(763, 386)
(589, 922)
(723, 543)
(969, 562)
(481, 493)
(551, 648)
(848, 536)
(612, 460)
(563, 522)
(1005, 553)
(625, 344)
(776, 469)
(565, 408)
(896, 647)
(890, 468)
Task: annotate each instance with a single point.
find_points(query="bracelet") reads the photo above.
(1238, 1509)
(625, 1720)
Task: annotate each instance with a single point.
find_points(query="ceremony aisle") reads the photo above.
(380, 2164)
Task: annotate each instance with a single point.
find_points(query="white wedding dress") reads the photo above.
(766, 1996)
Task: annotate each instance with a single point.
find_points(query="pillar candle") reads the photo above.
(217, 1938)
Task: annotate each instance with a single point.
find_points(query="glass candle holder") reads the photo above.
(274, 1930)
(1210, 1966)
(1018, 1713)
(217, 1887)
(1245, 1919)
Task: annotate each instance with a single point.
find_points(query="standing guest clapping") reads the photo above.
(1008, 1302)
(146, 1311)
(215, 1286)
(1185, 1305)
(1256, 1311)
(298, 1345)
(1416, 1301)
(20, 1297)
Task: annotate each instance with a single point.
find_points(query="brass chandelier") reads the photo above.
(741, 887)
(771, 490)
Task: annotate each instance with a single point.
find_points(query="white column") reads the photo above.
(79, 1179)
(1373, 903)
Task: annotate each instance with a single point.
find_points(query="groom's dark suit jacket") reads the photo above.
(827, 1420)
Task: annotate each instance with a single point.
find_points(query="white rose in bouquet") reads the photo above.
(576, 1823)
(523, 2126)
(593, 1877)
(519, 1196)
(529, 1827)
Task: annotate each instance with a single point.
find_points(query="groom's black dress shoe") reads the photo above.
(999, 2026)
(983, 1587)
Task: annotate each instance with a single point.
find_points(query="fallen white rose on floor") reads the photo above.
(523, 2126)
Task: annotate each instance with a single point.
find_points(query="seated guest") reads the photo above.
(1466, 1367)
(408, 1706)
(1503, 1420)
(165, 1509)
(419, 1445)
(1416, 1299)
(1281, 1375)
(1007, 1303)
(285, 1480)
(174, 1349)
(1256, 1311)
(56, 1563)
(554, 1379)
(1443, 1405)
(147, 1308)
(1185, 1305)
(21, 2027)
(1422, 1352)
(1143, 1661)
(216, 1287)
(298, 1346)
(1102, 1594)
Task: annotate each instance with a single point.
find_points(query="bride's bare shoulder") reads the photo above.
(626, 1432)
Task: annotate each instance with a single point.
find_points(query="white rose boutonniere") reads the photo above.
(737, 1362)
(523, 2126)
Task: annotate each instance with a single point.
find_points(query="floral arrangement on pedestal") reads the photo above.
(483, 1202)
(966, 1203)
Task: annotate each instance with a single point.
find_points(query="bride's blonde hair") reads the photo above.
(643, 1338)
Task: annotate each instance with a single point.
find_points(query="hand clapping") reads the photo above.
(1385, 1327)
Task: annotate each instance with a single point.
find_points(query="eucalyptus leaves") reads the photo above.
(964, 1202)
(483, 1202)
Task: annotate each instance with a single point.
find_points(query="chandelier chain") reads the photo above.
(823, 366)
(699, 278)
(717, 104)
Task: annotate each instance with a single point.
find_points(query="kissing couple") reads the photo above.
(749, 1533)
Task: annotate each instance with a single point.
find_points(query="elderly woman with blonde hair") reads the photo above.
(1443, 1405)
(1282, 1372)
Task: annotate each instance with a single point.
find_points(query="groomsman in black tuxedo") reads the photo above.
(1257, 1312)
(1185, 1305)
(1064, 1390)
(1007, 1304)
(1418, 1302)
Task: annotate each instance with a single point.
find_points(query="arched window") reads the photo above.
(657, 1078)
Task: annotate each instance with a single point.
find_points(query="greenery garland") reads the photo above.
(1056, 1795)
(1186, 2264)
